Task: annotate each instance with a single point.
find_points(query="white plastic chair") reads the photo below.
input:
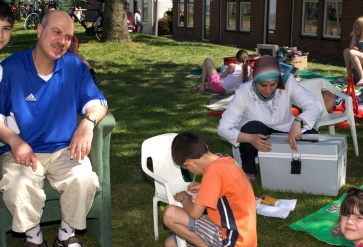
(167, 175)
(314, 86)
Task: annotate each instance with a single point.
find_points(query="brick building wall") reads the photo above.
(288, 28)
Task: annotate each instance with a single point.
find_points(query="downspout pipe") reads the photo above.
(156, 18)
(292, 21)
(220, 21)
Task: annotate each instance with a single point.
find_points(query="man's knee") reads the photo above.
(87, 179)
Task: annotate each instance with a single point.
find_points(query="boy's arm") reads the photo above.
(194, 211)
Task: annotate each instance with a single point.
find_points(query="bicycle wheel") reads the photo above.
(97, 28)
(31, 22)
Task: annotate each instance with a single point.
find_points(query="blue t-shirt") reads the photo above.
(44, 113)
(360, 45)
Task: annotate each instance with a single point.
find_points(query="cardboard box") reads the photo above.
(299, 62)
(318, 167)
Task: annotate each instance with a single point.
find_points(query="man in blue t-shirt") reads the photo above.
(42, 90)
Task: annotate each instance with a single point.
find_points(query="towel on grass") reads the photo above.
(219, 103)
(279, 212)
(321, 223)
(306, 74)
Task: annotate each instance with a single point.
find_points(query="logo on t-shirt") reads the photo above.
(30, 98)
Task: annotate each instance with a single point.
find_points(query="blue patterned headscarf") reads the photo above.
(266, 69)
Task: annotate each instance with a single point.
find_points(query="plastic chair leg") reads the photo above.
(180, 242)
(155, 216)
(332, 129)
(354, 135)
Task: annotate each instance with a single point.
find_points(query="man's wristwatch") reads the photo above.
(91, 118)
(298, 119)
(182, 199)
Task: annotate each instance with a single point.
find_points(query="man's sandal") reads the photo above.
(65, 243)
(251, 177)
(30, 244)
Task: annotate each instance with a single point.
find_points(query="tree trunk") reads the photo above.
(17, 13)
(45, 7)
(114, 23)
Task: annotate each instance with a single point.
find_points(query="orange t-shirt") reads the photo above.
(228, 196)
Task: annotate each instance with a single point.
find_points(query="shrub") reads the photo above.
(163, 26)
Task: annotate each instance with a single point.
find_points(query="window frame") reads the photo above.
(241, 5)
(190, 19)
(327, 19)
(303, 19)
(181, 4)
(145, 8)
(228, 16)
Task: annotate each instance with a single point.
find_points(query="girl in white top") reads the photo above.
(235, 74)
(262, 107)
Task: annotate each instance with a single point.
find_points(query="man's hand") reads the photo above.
(23, 154)
(80, 145)
(259, 142)
(294, 134)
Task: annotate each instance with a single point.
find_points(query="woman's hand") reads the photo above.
(259, 142)
(294, 134)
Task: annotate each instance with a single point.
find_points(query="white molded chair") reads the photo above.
(315, 86)
(167, 175)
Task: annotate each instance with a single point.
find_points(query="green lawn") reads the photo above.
(148, 96)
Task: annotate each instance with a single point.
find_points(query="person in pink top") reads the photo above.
(235, 74)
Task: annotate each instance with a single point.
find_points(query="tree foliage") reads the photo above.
(115, 24)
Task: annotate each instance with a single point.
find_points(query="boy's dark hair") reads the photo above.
(187, 146)
(353, 201)
(5, 13)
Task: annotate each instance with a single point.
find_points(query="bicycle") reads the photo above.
(33, 19)
(95, 29)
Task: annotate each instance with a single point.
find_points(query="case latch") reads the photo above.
(296, 166)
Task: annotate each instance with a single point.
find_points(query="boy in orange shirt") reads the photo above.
(225, 192)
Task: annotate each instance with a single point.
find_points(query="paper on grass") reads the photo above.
(279, 212)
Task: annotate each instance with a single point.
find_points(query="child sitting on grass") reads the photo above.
(351, 216)
(225, 192)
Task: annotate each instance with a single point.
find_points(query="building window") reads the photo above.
(145, 10)
(333, 18)
(310, 17)
(190, 13)
(245, 19)
(231, 16)
(181, 13)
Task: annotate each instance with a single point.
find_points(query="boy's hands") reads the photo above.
(181, 194)
(194, 188)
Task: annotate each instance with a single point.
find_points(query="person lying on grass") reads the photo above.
(235, 74)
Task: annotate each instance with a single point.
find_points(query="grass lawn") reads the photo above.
(148, 96)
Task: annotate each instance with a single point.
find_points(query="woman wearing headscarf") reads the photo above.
(262, 107)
